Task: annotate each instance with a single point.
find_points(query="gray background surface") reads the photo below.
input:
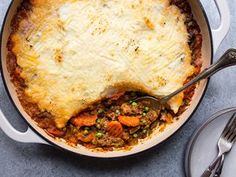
(33, 160)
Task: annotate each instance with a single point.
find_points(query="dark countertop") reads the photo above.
(34, 160)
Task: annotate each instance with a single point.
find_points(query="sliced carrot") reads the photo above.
(114, 128)
(148, 23)
(130, 121)
(84, 120)
(86, 138)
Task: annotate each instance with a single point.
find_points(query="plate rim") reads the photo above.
(195, 135)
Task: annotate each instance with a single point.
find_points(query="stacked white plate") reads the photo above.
(202, 148)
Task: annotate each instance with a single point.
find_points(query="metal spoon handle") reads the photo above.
(228, 59)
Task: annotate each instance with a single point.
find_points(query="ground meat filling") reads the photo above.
(115, 122)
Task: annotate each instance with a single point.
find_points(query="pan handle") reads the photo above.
(25, 137)
(220, 33)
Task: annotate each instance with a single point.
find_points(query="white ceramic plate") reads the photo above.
(202, 148)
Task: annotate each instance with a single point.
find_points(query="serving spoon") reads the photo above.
(159, 102)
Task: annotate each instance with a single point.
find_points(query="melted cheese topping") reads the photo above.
(72, 51)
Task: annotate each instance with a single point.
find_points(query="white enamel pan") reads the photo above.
(211, 41)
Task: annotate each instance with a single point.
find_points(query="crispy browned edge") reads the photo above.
(195, 43)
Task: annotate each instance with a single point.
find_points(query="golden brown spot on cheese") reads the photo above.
(60, 25)
(148, 23)
(58, 56)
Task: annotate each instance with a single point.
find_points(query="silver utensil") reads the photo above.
(228, 59)
(219, 167)
(225, 143)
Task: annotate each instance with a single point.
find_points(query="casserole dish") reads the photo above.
(207, 54)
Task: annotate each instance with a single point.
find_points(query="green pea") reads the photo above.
(99, 135)
(146, 109)
(98, 120)
(135, 135)
(134, 104)
(144, 114)
(144, 131)
(98, 126)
